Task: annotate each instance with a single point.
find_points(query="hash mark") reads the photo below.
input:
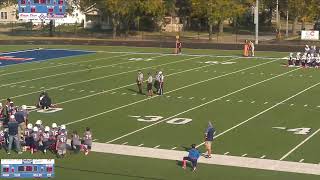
(228, 100)
(243, 155)
(262, 157)
(156, 146)
(306, 105)
(240, 101)
(124, 143)
(252, 102)
(123, 93)
(226, 153)
(291, 104)
(173, 148)
(140, 145)
(301, 160)
(113, 92)
(266, 102)
(179, 97)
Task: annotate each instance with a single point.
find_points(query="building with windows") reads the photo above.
(8, 14)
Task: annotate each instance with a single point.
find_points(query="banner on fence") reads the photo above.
(309, 35)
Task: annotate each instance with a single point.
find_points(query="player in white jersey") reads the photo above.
(161, 80)
(290, 60)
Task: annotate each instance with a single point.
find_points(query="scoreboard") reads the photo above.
(41, 9)
(27, 168)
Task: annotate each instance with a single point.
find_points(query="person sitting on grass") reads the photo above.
(193, 157)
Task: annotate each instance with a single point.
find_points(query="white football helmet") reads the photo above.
(54, 125)
(29, 126)
(35, 129)
(38, 122)
(47, 129)
(160, 72)
(63, 127)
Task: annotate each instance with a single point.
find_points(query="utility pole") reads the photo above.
(256, 21)
(287, 24)
(277, 14)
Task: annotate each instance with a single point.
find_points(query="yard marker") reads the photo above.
(226, 153)
(300, 144)
(243, 155)
(266, 102)
(124, 143)
(306, 105)
(140, 145)
(157, 146)
(301, 160)
(262, 157)
(173, 148)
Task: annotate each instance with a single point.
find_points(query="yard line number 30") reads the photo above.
(176, 121)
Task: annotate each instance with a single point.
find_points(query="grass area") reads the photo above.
(247, 99)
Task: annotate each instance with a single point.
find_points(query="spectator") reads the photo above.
(13, 134)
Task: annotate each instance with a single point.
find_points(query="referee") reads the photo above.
(149, 85)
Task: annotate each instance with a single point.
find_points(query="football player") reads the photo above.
(290, 60)
(35, 139)
(28, 137)
(75, 142)
(87, 141)
(298, 59)
(61, 145)
(45, 139)
(39, 126)
(161, 82)
(317, 60)
(2, 138)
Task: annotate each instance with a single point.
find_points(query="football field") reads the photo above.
(259, 107)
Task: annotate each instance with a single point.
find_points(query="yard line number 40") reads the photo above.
(176, 121)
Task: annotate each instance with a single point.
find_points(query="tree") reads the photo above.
(217, 11)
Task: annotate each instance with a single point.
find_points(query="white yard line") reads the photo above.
(192, 55)
(199, 106)
(63, 64)
(266, 110)
(103, 77)
(71, 72)
(174, 155)
(127, 105)
(300, 144)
